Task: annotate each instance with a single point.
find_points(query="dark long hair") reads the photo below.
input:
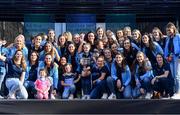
(164, 60)
(36, 63)
(123, 64)
(151, 44)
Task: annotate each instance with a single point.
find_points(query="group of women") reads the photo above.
(94, 65)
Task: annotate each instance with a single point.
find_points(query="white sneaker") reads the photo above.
(1, 97)
(141, 97)
(12, 96)
(84, 97)
(87, 97)
(148, 96)
(52, 96)
(112, 96)
(105, 96)
(176, 96)
(71, 96)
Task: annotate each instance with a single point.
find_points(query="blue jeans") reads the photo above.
(146, 84)
(30, 87)
(136, 92)
(175, 69)
(68, 90)
(2, 75)
(98, 89)
(29, 84)
(86, 85)
(15, 86)
(111, 83)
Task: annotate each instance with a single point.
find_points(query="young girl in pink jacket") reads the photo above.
(42, 85)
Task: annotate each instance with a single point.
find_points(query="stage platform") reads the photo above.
(90, 107)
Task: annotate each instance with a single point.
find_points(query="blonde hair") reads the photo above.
(22, 38)
(68, 36)
(139, 33)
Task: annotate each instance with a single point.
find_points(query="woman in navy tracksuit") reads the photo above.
(163, 81)
(99, 74)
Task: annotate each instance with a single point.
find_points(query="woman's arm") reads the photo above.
(79, 77)
(10, 45)
(48, 87)
(128, 73)
(3, 58)
(165, 75)
(64, 84)
(22, 76)
(80, 47)
(56, 54)
(102, 76)
(113, 71)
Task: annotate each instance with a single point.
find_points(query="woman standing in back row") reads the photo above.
(172, 54)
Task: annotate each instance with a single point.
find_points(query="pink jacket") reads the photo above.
(42, 85)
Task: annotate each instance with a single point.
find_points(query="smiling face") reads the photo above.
(33, 56)
(48, 59)
(86, 48)
(100, 62)
(135, 35)
(119, 33)
(63, 61)
(48, 47)
(127, 44)
(107, 53)
(100, 32)
(119, 58)
(91, 37)
(76, 38)
(127, 31)
(68, 68)
(159, 59)
(51, 34)
(71, 48)
(43, 73)
(38, 40)
(145, 39)
(170, 31)
(19, 55)
(19, 42)
(156, 34)
(114, 47)
(62, 40)
(140, 57)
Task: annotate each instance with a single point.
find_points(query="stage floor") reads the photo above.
(90, 106)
